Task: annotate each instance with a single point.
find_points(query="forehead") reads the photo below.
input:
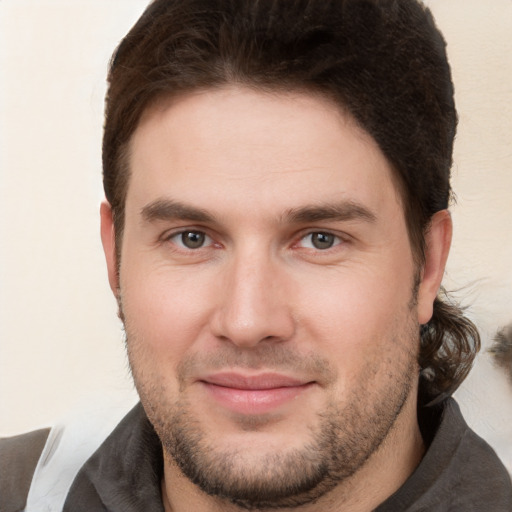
(263, 151)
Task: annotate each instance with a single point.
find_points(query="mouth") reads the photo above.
(254, 394)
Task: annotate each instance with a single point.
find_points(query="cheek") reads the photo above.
(358, 317)
(167, 310)
(355, 300)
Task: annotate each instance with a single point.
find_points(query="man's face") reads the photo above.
(266, 284)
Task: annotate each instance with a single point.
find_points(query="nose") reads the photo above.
(254, 302)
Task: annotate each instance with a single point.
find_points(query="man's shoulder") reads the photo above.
(480, 473)
(471, 453)
(18, 459)
(459, 471)
(468, 470)
(38, 468)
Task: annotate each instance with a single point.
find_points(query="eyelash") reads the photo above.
(336, 240)
(180, 245)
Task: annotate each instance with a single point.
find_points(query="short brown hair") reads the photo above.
(382, 60)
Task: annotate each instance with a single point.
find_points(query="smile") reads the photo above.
(258, 394)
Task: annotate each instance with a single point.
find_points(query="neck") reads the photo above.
(382, 475)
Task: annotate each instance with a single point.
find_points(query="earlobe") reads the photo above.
(108, 241)
(437, 246)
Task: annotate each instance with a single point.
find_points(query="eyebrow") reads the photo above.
(167, 209)
(342, 211)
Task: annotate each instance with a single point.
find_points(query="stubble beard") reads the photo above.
(340, 445)
(342, 439)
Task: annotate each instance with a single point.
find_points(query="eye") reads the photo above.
(190, 239)
(320, 240)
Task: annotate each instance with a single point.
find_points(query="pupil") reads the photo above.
(323, 240)
(192, 239)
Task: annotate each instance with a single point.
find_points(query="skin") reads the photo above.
(299, 270)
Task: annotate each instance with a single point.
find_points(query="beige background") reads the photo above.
(60, 341)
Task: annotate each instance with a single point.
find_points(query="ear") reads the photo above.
(108, 240)
(437, 246)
